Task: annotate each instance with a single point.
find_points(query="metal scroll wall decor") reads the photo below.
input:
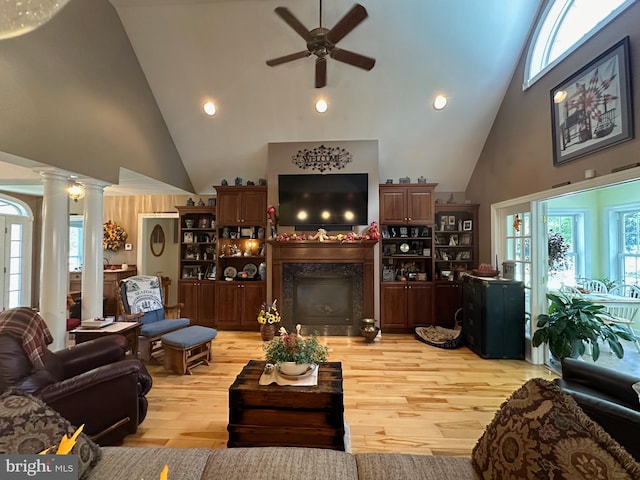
(322, 158)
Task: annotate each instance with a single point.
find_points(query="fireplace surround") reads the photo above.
(327, 287)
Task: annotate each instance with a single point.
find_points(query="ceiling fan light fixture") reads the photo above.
(439, 102)
(321, 106)
(209, 108)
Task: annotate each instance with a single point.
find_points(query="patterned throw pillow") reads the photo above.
(540, 432)
(29, 426)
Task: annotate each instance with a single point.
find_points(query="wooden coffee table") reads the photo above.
(274, 415)
(130, 330)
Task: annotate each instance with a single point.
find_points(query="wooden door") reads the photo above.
(229, 208)
(393, 306)
(228, 304)
(419, 205)
(254, 208)
(447, 300)
(393, 205)
(253, 296)
(188, 295)
(419, 304)
(206, 303)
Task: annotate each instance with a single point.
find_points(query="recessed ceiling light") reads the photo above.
(439, 102)
(209, 108)
(321, 106)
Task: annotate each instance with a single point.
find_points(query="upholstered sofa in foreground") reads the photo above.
(539, 432)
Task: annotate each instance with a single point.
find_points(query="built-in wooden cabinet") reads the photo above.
(409, 204)
(447, 300)
(241, 255)
(238, 205)
(455, 235)
(406, 256)
(455, 250)
(405, 305)
(198, 242)
(198, 297)
(238, 304)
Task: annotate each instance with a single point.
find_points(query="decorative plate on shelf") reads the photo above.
(250, 269)
(230, 272)
(404, 248)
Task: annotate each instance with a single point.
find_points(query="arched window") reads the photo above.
(563, 27)
(10, 208)
(16, 225)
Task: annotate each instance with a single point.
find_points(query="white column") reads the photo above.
(54, 275)
(93, 266)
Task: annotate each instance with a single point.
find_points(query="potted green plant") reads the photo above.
(572, 323)
(294, 353)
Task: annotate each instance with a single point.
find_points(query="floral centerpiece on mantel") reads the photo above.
(293, 348)
(268, 317)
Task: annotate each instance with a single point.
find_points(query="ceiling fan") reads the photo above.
(322, 42)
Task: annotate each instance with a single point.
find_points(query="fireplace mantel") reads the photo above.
(315, 252)
(306, 251)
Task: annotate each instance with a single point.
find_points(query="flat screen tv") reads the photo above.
(330, 201)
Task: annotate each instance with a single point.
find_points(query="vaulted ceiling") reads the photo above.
(192, 51)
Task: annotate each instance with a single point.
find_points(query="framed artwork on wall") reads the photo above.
(592, 109)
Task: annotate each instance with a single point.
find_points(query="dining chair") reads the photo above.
(595, 286)
(626, 291)
(570, 291)
(626, 315)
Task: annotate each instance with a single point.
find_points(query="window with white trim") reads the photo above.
(571, 226)
(563, 27)
(517, 230)
(76, 235)
(629, 246)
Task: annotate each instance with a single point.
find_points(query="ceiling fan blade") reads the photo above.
(321, 72)
(353, 58)
(293, 22)
(288, 58)
(347, 23)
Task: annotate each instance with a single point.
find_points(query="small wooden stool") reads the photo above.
(187, 348)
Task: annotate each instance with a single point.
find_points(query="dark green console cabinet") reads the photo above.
(493, 317)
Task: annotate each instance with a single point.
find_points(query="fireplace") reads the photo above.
(323, 297)
(325, 287)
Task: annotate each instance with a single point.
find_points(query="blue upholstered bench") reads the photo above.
(187, 348)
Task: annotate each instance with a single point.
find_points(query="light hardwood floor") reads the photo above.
(400, 395)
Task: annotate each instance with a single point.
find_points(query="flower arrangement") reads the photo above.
(113, 237)
(269, 314)
(293, 347)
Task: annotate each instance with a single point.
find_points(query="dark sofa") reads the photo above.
(607, 397)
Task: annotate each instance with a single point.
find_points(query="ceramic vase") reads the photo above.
(293, 369)
(267, 331)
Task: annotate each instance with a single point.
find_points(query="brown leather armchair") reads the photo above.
(93, 383)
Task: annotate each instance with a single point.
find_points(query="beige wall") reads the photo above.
(517, 158)
(364, 160)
